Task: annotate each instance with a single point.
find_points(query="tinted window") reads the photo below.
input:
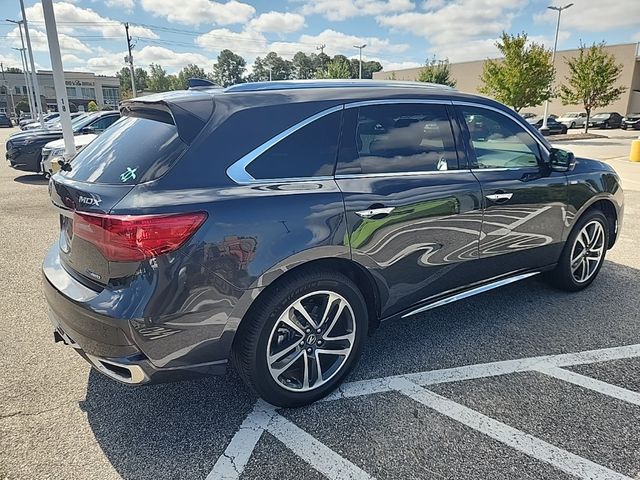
(133, 150)
(104, 122)
(308, 152)
(397, 138)
(498, 141)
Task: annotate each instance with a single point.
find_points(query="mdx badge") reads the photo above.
(92, 200)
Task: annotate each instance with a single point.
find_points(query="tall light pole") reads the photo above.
(360, 47)
(34, 74)
(129, 60)
(58, 78)
(25, 69)
(553, 59)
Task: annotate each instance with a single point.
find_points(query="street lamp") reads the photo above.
(360, 47)
(553, 58)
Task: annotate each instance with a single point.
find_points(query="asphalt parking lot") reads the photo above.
(522, 382)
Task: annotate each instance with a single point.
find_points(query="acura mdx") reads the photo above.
(274, 225)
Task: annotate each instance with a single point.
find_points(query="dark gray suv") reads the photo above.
(275, 225)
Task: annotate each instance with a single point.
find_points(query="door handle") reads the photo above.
(500, 197)
(375, 212)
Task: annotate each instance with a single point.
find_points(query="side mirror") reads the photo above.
(88, 130)
(561, 160)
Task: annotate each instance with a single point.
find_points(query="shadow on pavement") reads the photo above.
(32, 179)
(179, 430)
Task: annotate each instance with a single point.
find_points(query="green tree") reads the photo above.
(437, 71)
(190, 71)
(320, 62)
(368, 68)
(158, 81)
(392, 76)
(303, 67)
(92, 106)
(591, 81)
(523, 78)
(124, 76)
(229, 69)
(22, 106)
(339, 67)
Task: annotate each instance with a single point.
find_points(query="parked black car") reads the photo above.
(554, 126)
(277, 224)
(5, 121)
(606, 120)
(631, 121)
(24, 149)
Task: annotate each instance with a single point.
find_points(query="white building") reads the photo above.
(82, 87)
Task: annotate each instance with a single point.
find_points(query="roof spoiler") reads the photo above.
(188, 111)
(200, 83)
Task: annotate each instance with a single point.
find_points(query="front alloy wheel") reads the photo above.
(588, 251)
(311, 341)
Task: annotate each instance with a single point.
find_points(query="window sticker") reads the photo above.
(128, 174)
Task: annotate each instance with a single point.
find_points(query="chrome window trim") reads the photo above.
(392, 101)
(346, 176)
(506, 114)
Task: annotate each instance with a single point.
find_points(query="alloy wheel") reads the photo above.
(311, 341)
(587, 251)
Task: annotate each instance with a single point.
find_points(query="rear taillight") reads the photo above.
(128, 238)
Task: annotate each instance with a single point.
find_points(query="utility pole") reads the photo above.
(129, 60)
(26, 80)
(7, 89)
(321, 47)
(25, 70)
(544, 127)
(58, 79)
(360, 47)
(34, 74)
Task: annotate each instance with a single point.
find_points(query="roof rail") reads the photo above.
(301, 84)
(200, 83)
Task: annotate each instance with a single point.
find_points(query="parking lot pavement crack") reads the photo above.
(21, 413)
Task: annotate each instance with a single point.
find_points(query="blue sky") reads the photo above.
(398, 33)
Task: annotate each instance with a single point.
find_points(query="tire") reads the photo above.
(265, 333)
(573, 125)
(605, 125)
(575, 279)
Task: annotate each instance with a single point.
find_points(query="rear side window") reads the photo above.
(308, 152)
(397, 138)
(133, 150)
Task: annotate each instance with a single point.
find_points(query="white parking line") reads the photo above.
(592, 384)
(265, 418)
(523, 442)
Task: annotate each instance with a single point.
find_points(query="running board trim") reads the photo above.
(470, 293)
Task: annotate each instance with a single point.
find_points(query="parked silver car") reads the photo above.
(573, 119)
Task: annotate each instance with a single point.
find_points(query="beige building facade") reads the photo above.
(467, 77)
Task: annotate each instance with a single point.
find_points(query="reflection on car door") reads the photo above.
(524, 202)
(413, 211)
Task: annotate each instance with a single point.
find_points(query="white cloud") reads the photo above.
(459, 29)
(197, 12)
(108, 63)
(70, 59)
(247, 43)
(592, 16)
(338, 42)
(336, 10)
(85, 19)
(40, 44)
(126, 5)
(277, 22)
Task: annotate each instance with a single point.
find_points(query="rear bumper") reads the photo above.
(107, 343)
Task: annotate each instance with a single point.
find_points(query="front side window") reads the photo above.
(104, 122)
(397, 138)
(308, 152)
(498, 141)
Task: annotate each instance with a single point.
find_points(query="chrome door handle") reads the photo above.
(500, 197)
(374, 212)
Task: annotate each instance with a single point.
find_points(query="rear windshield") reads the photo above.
(131, 151)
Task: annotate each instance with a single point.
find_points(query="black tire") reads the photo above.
(605, 125)
(573, 125)
(249, 353)
(562, 276)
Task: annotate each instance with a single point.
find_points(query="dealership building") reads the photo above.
(467, 77)
(82, 87)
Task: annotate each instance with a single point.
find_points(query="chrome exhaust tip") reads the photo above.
(132, 374)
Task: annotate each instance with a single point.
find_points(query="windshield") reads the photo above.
(602, 115)
(84, 121)
(571, 115)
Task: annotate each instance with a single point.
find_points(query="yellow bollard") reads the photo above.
(634, 156)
